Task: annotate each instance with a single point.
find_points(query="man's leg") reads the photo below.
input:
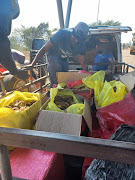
(64, 64)
(53, 68)
(7, 60)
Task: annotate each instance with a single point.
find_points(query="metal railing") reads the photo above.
(124, 66)
(42, 77)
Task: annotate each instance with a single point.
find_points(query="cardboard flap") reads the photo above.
(59, 122)
(64, 77)
(87, 114)
(44, 98)
(129, 80)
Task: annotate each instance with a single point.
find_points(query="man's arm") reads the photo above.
(83, 62)
(112, 60)
(41, 52)
(112, 64)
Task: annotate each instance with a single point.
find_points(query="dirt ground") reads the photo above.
(27, 54)
(127, 57)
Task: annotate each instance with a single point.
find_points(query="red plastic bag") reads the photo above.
(54, 85)
(82, 71)
(87, 95)
(116, 114)
(72, 84)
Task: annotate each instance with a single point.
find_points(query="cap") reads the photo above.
(80, 31)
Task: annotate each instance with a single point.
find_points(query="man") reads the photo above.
(61, 46)
(9, 10)
(103, 57)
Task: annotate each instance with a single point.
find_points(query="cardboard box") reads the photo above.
(129, 80)
(19, 119)
(60, 122)
(44, 98)
(64, 77)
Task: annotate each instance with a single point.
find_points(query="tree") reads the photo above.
(25, 36)
(107, 23)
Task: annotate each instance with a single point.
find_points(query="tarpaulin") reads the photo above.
(109, 170)
(36, 165)
(116, 114)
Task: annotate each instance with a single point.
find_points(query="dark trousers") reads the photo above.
(56, 64)
(6, 58)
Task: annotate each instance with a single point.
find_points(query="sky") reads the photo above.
(33, 12)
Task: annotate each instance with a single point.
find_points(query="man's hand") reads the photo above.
(22, 75)
(41, 52)
(29, 66)
(112, 65)
(83, 62)
(112, 60)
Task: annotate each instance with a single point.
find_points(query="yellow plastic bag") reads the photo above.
(19, 119)
(109, 96)
(53, 107)
(17, 95)
(61, 85)
(76, 109)
(7, 118)
(95, 82)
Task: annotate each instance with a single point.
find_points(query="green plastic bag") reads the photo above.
(74, 109)
(109, 96)
(95, 82)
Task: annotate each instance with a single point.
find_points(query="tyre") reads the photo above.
(11, 83)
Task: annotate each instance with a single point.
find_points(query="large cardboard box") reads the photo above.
(64, 77)
(61, 122)
(129, 80)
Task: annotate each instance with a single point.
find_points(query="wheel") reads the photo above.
(11, 83)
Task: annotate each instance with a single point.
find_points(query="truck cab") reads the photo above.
(111, 35)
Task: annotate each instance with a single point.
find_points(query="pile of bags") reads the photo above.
(65, 101)
(105, 92)
(19, 109)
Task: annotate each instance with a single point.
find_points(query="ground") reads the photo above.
(27, 54)
(127, 57)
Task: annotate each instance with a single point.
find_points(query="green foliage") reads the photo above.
(23, 37)
(107, 23)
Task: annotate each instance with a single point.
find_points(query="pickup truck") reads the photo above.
(111, 35)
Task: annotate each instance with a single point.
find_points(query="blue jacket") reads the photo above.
(103, 58)
(9, 10)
